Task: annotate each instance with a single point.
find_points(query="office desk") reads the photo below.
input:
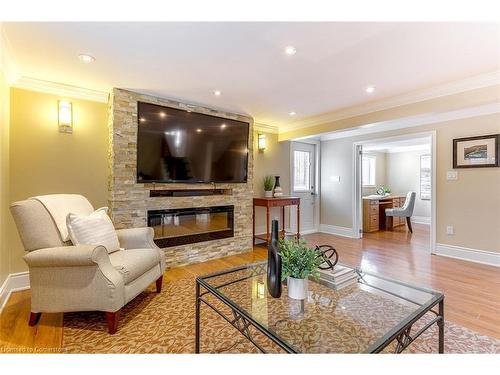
(374, 218)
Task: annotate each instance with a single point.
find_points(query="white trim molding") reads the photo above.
(472, 255)
(261, 230)
(257, 126)
(336, 230)
(412, 121)
(15, 282)
(451, 88)
(421, 220)
(61, 89)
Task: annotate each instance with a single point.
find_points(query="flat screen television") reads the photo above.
(174, 145)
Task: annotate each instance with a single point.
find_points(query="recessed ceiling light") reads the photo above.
(290, 50)
(370, 89)
(198, 130)
(142, 119)
(292, 113)
(223, 126)
(163, 114)
(217, 93)
(87, 59)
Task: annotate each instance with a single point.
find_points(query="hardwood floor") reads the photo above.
(472, 298)
(472, 290)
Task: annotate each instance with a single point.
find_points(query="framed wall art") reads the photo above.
(476, 152)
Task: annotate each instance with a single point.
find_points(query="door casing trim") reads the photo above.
(356, 214)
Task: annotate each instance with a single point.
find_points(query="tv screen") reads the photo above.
(174, 145)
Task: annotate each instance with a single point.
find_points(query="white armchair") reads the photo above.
(68, 278)
(405, 211)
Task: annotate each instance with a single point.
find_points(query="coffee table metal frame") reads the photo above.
(242, 320)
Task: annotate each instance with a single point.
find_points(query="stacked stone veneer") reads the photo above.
(129, 201)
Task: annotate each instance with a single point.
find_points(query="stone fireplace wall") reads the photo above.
(129, 201)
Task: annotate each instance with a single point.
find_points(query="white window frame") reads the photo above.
(374, 180)
(308, 189)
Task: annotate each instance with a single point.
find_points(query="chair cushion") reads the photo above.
(395, 212)
(94, 229)
(133, 263)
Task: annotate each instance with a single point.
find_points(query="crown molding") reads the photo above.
(61, 89)
(456, 87)
(412, 121)
(265, 128)
(8, 62)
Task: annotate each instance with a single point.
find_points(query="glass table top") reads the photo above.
(354, 319)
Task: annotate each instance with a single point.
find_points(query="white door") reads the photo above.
(304, 186)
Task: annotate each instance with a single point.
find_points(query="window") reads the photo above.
(301, 173)
(368, 169)
(425, 177)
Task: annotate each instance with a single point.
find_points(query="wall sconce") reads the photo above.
(65, 116)
(261, 142)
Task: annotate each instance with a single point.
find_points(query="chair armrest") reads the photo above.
(68, 256)
(136, 238)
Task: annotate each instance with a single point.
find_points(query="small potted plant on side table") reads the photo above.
(268, 186)
(298, 262)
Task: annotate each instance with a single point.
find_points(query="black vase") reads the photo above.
(274, 263)
(276, 181)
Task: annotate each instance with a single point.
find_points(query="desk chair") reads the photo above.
(406, 210)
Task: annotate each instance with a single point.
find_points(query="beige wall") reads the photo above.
(471, 204)
(275, 160)
(403, 175)
(44, 161)
(336, 196)
(4, 176)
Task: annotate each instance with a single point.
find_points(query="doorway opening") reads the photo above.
(394, 187)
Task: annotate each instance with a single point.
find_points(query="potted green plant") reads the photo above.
(298, 263)
(268, 186)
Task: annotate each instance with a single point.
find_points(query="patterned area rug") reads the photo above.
(164, 323)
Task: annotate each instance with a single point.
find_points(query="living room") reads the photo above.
(226, 188)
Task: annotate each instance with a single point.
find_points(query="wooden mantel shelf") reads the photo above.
(188, 192)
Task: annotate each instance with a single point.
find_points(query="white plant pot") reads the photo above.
(297, 288)
(268, 194)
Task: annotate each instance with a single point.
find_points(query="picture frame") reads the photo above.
(476, 152)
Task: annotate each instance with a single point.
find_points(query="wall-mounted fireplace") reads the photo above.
(180, 226)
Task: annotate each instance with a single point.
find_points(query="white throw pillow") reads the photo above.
(94, 229)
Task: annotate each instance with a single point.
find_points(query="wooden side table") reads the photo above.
(268, 203)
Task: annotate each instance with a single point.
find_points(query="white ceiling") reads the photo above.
(333, 64)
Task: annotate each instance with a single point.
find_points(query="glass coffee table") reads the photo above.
(371, 314)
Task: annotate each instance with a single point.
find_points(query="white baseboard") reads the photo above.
(14, 282)
(259, 231)
(421, 220)
(336, 230)
(473, 255)
(302, 232)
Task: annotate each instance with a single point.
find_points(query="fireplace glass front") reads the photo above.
(181, 226)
